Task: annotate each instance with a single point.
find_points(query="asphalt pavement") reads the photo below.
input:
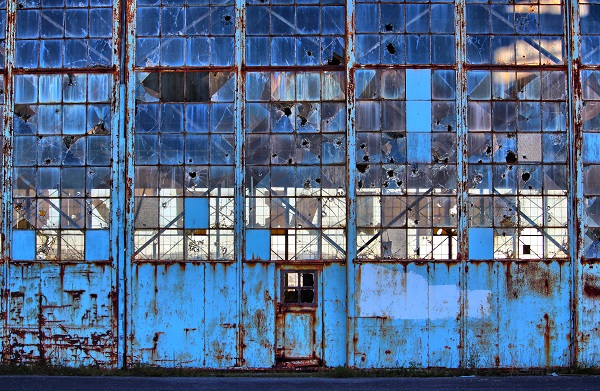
(100, 383)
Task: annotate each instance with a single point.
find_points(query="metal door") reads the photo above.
(297, 319)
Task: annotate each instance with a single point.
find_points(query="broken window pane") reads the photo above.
(515, 34)
(397, 33)
(281, 33)
(62, 161)
(188, 33)
(50, 35)
(184, 153)
(296, 162)
(406, 155)
(518, 161)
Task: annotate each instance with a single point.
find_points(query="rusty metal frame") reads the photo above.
(128, 108)
(576, 211)
(351, 231)
(462, 168)
(7, 163)
(239, 225)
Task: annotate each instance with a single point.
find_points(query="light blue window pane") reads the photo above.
(75, 53)
(146, 149)
(51, 53)
(196, 149)
(52, 24)
(418, 147)
(74, 88)
(171, 149)
(96, 244)
(172, 21)
(418, 84)
(481, 243)
(99, 87)
(172, 51)
(23, 245)
(147, 52)
(98, 119)
(333, 21)
(417, 49)
(171, 118)
(197, 21)
(101, 22)
(367, 49)
(308, 51)
(307, 20)
(196, 118)
(258, 244)
(50, 119)
(76, 23)
(26, 89)
(418, 116)
(442, 49)
(27, 54)
(196, 213)
(223, 50)
(283, 51)
(98, 150)
(198, 51)
(50, 88)
(28, 24)
(591, 148)
(74, 119)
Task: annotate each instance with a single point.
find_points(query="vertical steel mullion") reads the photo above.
(7, 165)
(351, 241)
(127, 90)
(576, 212)
(462, 173)
(117, 194)
(238, 204)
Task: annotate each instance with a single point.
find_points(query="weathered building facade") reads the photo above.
(369, 183)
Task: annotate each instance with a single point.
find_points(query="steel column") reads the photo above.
(351, 241)
(576, 212)
(7, 163)
(461, 166)
(126, 193)
(238, 202)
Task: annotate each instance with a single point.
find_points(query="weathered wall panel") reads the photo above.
(333, 302)
(62, 314)
(220, 315)
(589, 334)
(408, 315)
(525, 320)
(259, 298)
(167, 313)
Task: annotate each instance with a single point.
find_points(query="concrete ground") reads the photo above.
(100, 383)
